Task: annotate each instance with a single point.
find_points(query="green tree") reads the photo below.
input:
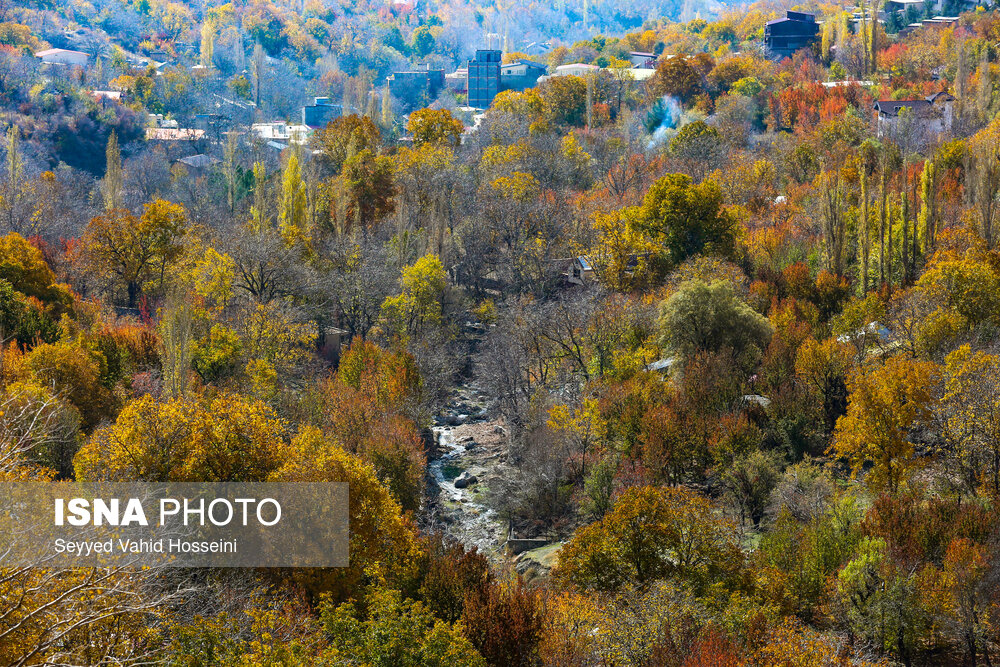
(881, 603)
(687, 219)
(421, 302)
(23, 319)
(565, 99)
(74, 374)
(292, 207)
(695, 139)
(823, 367)
(394, 631)
(701, 317)
(18, 215)
(748, 482)
(24, 267)
(123, 249)
(113, 183)
(423, 42)
(676, 76)
(365, 193)
(344, 137)
(224, 439)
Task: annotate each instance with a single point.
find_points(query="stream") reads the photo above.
(468, 443)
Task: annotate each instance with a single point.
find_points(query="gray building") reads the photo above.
(520, 74)
(416, 89)
(484, 78)
(797, 30)
(642, 59)
(321, 112)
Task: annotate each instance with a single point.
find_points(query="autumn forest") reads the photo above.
(685, 353)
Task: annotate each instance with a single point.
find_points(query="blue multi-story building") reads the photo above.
(484, 77)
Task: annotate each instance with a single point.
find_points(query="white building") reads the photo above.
(63, 57)
(576, 69)
(281, 131)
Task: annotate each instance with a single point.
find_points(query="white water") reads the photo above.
(453, 450)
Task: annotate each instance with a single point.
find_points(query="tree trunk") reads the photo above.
(905, 219)
(133, 293)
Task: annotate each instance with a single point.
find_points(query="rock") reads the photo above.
(465, 479)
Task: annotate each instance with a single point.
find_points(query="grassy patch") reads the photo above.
(451, 471)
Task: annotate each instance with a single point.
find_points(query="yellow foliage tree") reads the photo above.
(421, 302)
(227, 438)
(123, 249)
(884, 406)
(382, 541)
(970, 412)
(435, 126)
(652, 533)
(24, 267)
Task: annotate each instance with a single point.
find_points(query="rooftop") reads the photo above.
(199, 161)
(52, 52)
(893, 107)
(797, 17)
(173, 134)
(529, 63)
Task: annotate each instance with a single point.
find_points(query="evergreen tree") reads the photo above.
(113, 183)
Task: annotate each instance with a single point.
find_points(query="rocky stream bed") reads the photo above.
(470, 455)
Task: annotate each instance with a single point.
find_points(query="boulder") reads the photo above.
(465, 479)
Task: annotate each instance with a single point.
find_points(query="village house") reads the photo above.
(458, 81)
(930, 117)
(320, 113)
(483, 77)
(106, 95)
(198, 165)
(642, 60)
(576, 69)
(168, 131)
(416, 88)
(520, 74)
